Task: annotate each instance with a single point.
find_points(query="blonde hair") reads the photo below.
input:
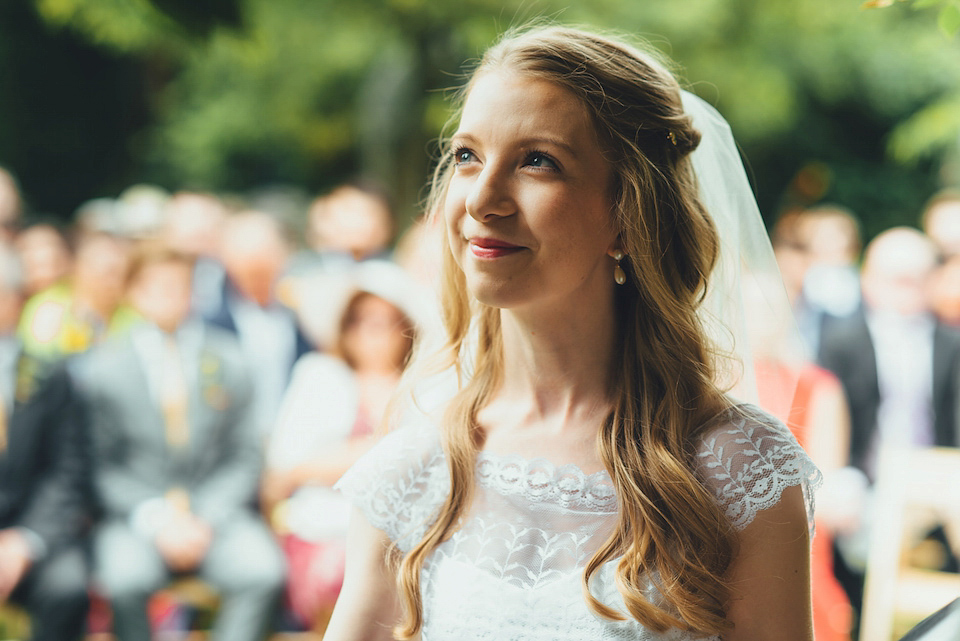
(670, 530)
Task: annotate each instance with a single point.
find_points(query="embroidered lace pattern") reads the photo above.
(749, 461)
(513, 569)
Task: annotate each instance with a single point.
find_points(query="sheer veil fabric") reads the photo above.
(746, 311)
(513, 568)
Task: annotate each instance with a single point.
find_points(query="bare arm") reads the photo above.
(770, 578)
(367, 608)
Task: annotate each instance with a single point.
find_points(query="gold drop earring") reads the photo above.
(618, 274)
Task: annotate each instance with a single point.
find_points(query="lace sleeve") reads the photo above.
(749, 459)
(400, 483)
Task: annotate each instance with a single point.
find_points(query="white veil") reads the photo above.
(746, 309)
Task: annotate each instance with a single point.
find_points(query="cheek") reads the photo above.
(453, 213)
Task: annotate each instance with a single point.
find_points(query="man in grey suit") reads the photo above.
(177, 461)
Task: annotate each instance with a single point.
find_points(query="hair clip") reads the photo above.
(673, 137)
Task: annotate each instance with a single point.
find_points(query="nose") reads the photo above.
(490, 196)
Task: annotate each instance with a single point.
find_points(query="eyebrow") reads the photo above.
(531, 142)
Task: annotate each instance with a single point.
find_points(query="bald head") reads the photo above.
(896, 271)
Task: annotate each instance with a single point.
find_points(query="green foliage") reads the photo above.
(128, 25)
(935, 128)
(244, 92)
(949, 20)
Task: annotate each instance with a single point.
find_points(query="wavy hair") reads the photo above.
(670, 530)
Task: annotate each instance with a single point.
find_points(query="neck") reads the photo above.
(558, 362)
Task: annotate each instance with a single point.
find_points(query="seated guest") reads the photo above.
(193, 222)
(254, 250)
(899, 367)
(329, 414)
(44, 468)
(74, 314)
(352, 223)
(177, 461)
(45, 255)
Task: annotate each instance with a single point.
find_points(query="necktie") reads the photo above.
(173, 395)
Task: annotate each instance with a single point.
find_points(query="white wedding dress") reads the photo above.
(513, 571)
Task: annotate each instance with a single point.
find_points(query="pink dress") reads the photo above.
(316, 569)
(832, 613)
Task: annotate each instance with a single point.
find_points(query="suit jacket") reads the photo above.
(45, 470)
(847, 350)
(219, 467)
(224, 317)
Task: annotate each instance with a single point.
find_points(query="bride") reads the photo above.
(592, 476)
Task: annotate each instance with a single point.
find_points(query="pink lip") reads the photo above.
(492, 248)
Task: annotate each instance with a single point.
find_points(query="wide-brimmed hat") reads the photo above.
(320, 297)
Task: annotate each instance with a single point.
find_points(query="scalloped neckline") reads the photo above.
(540, 462)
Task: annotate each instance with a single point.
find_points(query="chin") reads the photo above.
(501, 297)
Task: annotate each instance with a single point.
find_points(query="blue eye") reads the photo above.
(540, 160)
(462, 156)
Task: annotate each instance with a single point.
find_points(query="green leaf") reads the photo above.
(949, 20)
(933, 128)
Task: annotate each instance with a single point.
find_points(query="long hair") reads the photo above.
(670, 530)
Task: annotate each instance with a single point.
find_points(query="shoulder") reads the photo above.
(747, 458)
(947, 335)
(43, 316)
(836, 331)
(117, 351)
(53, 389)
(223, 345)
(401, 482)
(124, 318)
(216, 337)
(314, 365)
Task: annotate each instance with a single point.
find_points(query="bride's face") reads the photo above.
(528, 209)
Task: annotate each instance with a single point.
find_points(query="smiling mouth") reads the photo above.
(492, 248)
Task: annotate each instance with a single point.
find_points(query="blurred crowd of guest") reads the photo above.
(881, 369)
(180, 386)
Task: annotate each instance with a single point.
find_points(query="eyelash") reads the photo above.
(526, 162)
(545, 156)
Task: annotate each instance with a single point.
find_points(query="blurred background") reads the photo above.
(829, 100)
(280, 149)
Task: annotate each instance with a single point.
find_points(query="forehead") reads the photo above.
(505, 103)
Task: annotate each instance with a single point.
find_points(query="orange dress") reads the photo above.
(832, 613)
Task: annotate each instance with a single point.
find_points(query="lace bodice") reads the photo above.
(513, 569)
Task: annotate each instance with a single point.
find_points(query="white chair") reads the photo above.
(915, 490)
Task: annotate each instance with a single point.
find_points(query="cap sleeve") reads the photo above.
(748, 459)
(400, 483)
